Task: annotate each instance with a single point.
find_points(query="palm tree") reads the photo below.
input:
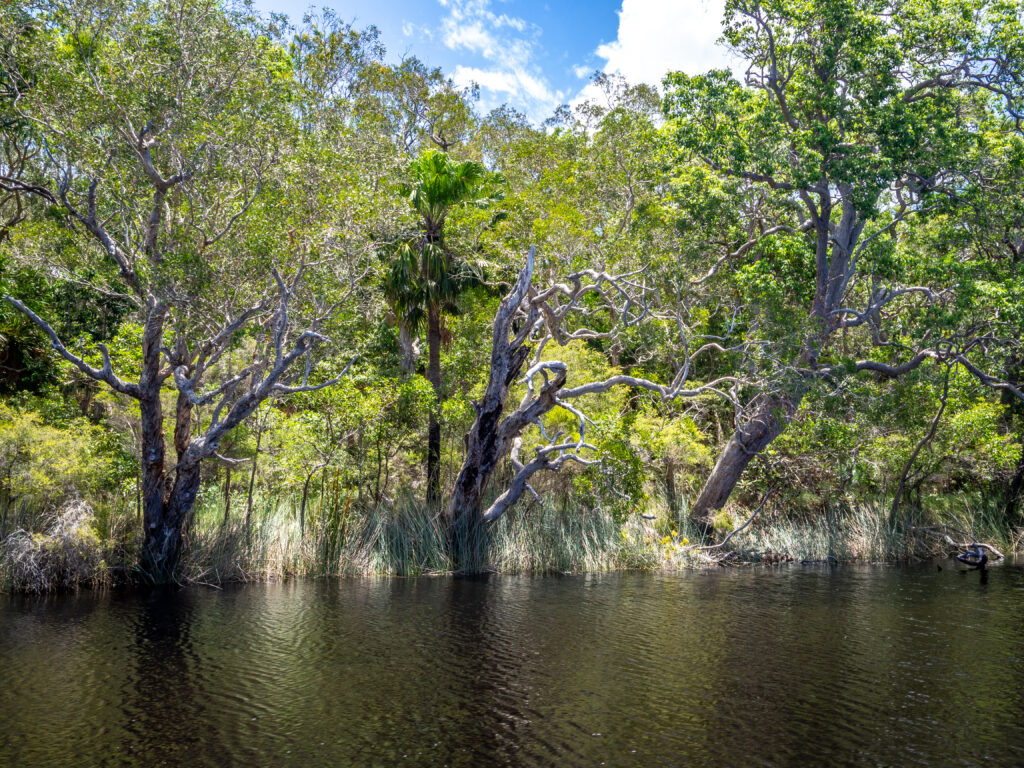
(425, 279)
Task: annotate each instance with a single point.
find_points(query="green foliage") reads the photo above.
(423, 271)
(42, 464)
(899, 120)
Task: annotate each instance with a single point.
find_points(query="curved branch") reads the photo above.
(105, 374)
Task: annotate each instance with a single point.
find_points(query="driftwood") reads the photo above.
(943, 531)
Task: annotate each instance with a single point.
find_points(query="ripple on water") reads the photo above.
(838, 666)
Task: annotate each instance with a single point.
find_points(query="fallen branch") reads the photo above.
(942, 531)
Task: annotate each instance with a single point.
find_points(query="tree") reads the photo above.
(856, 120)
(165, 167)
(425, 278)
(416, 106)
(527, 320)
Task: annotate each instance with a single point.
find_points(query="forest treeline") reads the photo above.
(269, 296)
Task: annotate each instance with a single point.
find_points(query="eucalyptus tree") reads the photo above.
(168, 169)
(425, 277)
(415, 105)
(856, 118)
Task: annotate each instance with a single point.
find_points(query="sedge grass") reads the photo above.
(406, 540)
(46, 552)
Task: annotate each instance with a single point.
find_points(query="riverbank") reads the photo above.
(76, 548)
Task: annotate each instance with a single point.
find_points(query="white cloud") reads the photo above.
(658, 36)
(507, 45)
(510, 21)
(516, 84)
(469, 35)
(414, 30)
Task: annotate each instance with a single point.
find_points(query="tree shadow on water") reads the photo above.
(166, 702)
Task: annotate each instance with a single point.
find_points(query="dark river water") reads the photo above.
(792, 666)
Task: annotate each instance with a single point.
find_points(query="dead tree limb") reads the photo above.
(943, 531)
(527, 321)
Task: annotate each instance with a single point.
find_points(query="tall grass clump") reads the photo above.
(567, 540)
(219, 549)
(405, 539)
(861, 533)
(68, 555)
(868, 532)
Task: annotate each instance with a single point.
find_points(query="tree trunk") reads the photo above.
(227, 496)
(252, 477)
(152, 462)
(151, 414)
(182, 425)
(434, 427)
(486, 443)
(670, 485)
(407, 348)
(1015, 490)
(491, 438)
(305, 495)
(163, 543)
(768, 421)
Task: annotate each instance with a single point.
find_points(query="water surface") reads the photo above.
(799, 665)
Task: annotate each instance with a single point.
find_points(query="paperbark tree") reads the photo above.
(159, 164)
(526, 322)
(856, 117)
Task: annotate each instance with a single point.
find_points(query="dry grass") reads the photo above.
(407, 541)
(69, 554)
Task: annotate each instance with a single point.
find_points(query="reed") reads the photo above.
(406, 540)
(866, 533)
(77, 546)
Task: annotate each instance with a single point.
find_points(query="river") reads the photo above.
(854, 665)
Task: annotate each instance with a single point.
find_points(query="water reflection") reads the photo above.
(843, 666)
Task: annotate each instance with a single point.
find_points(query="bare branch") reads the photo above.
(104, 374)
(283, 389)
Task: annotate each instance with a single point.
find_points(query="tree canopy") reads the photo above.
(223, 238)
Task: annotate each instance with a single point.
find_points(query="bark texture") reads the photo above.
(407, 348)
(487, 443)
(767, 422)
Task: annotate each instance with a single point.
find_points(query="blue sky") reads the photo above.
(537, 54)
